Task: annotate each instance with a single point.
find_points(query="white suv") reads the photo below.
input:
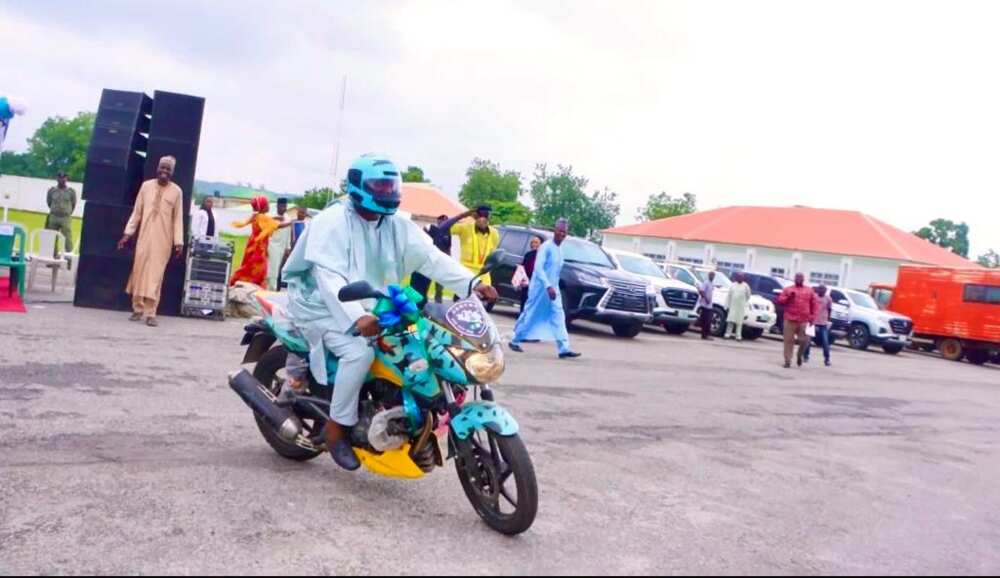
(676, 302)
(760, 316)
(869, 325)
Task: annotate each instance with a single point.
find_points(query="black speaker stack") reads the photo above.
(132, 133)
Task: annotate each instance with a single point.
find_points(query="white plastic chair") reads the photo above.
(46, 250)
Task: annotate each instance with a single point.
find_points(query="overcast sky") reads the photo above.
(888, 107)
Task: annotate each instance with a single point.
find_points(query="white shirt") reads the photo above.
(199, 225)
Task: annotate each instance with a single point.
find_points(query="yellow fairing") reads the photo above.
(380, 370)
(392, 464)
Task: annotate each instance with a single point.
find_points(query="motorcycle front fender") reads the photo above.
(482, 415)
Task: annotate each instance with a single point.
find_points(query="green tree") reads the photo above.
(990, 259)
(414, 175)
(948, 234)
(664, 206)
(562, 194)
(20, 164)
(510, 213)
(317, 198)
(487, 184)
(59, 144)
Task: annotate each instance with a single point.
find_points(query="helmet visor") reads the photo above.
(384, 191)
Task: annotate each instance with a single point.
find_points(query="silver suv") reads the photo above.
(869, 325)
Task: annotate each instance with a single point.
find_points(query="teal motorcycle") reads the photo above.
(430, 384)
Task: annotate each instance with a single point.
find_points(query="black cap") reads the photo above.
(283, 200)
(484, 209)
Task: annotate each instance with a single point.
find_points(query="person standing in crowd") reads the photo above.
(441, 240)
(203, 222)
(255, 259)
(543, 318)
(527, 270)
(739, 297)
(62, 202)
(706, 292)
(801, 307)
(279, 244)
(300, 223)
(824, 311)
(158, 217)
(477, 237)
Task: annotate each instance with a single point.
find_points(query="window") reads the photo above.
(692, 260)
(657, 257)
(515, 242)
(777, 272)
(818, 278)
(982, 294)
(586, 253)
(768, 286)
(862, 300)
(839, 298)
(730, 266)
(683, 276)
(640, 266)
(883, 297)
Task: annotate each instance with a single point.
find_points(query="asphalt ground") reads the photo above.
(122, 450)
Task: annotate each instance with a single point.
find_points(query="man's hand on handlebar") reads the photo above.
(368, 326)
(487, 293)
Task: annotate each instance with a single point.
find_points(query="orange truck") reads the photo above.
(956, 311)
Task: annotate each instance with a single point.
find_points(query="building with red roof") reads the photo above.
(835, 247)
(425, 203)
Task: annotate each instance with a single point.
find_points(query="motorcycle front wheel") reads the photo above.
(500, 482)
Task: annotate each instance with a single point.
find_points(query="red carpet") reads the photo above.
(12, 304)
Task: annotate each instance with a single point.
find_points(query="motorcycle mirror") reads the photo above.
(357, 292)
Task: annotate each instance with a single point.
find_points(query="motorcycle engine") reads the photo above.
(388, 430)
(379, 429)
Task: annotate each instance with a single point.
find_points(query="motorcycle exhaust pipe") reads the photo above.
(262, 402)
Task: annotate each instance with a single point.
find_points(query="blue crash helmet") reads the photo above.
(374, 185)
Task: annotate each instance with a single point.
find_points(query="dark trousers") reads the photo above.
(420, 283)
(706, 322)
(822, 339)
(524, 298)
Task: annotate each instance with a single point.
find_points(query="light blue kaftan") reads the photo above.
(543, 318)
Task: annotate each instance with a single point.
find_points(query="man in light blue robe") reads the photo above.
(543, 318)
(360, 240)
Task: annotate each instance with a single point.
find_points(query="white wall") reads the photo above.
(854, 272)
(27, 194)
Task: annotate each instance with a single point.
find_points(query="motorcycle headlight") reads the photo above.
(486, 367)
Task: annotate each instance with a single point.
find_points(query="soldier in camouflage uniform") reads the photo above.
(62, 203)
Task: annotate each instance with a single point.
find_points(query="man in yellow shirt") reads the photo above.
(478, 239)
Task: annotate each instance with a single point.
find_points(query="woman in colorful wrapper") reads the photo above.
(254, 266)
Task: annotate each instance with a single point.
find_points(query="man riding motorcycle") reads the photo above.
(362, 240)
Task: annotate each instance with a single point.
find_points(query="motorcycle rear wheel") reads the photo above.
(266, 372)
(497, 460)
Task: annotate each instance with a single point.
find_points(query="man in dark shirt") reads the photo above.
(441, 240)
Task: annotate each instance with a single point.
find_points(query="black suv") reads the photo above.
(769, 288)
(592, 289)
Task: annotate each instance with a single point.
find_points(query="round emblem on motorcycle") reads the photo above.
(469, 319)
